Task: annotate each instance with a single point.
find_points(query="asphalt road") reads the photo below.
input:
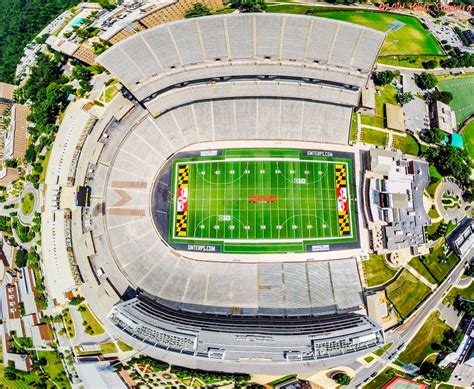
(403, 334)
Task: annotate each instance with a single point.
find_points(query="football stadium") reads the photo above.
(224, 226)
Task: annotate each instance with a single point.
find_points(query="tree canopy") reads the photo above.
(426, 80)
(385, 77)
(404, 98)
(47, 90)
(443, 96)
(21, 20)
(249, 5)
(433, 372)
(198, 10)
(342, 379)
(433, 135)
(450, 161)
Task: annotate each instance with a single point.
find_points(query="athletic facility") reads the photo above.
(223, 231)
(263, 200)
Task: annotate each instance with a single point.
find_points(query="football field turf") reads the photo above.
(283, 198)
(463, 98)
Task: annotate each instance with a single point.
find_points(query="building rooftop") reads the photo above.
(395, 119)
(98, 375)
(6, 91)
(396, 198)
(443, 117)
(455, 140)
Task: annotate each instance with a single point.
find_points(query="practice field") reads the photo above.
(263, 201)
(468, 136)
(463, 98)
(405, 34)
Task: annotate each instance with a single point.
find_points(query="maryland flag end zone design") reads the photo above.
(182, 201)
(342, 200)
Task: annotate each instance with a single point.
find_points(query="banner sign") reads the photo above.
(182, 201)
(342, 200)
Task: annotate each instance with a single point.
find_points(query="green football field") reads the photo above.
(463, 98)
(252, 201)
(410, 38)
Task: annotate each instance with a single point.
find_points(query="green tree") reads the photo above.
(450, 161)
(433, 372)
(249, 5)
(12, 162)
(30, 154)
(443, 96)
(464, 306)
(342, 379)
(470, 271)
(21, 258)
(404, 98)
(430, 64)
(197, 10)
(76, 300)
(433, 135)
(20, 21)
(426, 80)
(452, 339)
(81, 72)
(385, 77)
(100, 46)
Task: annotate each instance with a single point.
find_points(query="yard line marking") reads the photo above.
(278, 205)
(307, 203)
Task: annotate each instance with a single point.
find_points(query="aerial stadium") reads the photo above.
(224, 225)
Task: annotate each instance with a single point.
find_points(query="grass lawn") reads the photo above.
(88, 317)
(28, 203)
(124, 347)
(110, 93)
(463, 98)
(55, 368)
(45, 165)
(420, 346)
(353, 133)
(376, 270)
(222, 11)
(407, 292)
(369, 358)
(464, 292)
(433, 213)
(381, 351)
(409, 61)
(438, 269)
(375, 121)
(386, 96)
(420, 268)
(4, 383)
(108, 348)
(431, 188)
(407, 144)
(69, 324)
(410, 39)
(281, 379)
(374, 137)
(468, 136)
